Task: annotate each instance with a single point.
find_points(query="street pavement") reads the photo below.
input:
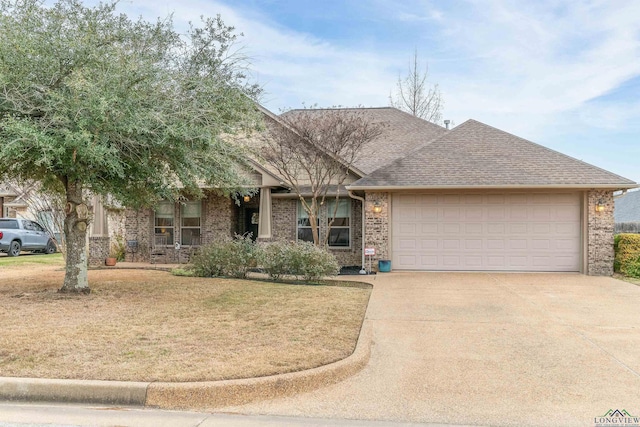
(67, 415)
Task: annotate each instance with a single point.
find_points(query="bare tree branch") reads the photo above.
(415, 96)
(314, 152)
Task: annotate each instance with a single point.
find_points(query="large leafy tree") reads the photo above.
(92, 102)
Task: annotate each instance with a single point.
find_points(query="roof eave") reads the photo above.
(490, 187)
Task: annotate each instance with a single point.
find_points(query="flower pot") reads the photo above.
(110, 261)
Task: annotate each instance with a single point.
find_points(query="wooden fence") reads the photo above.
(627, 227)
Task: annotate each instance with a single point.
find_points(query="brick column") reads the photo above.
(377, 225)
(600, 226)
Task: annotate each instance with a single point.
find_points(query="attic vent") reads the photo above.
(446, 123)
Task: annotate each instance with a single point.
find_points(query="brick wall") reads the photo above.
(138, 227)
(600, 233)
(285, 220)
(218, 222)
(377, 225)
(219, 218)
(98, 250)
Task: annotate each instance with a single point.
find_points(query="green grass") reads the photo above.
(31, 259)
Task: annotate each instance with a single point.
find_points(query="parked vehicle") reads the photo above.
(24, 235)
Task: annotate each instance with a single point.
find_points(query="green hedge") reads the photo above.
(627, 250)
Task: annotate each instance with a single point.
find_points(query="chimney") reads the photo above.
(446, 123)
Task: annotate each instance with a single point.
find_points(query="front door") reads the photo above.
(251, 217)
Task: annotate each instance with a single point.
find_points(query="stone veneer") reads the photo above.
(98, 250)
(600, 226)
(377, 225)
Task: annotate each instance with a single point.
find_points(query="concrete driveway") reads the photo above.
(489, 349)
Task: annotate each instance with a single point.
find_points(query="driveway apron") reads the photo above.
(489, 349)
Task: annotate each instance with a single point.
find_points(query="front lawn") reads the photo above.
(26, 259)
(141, 325)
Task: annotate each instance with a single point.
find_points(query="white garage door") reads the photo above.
(499, 232)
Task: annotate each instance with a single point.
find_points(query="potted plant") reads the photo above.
(117, 251)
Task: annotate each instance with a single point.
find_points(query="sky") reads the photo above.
(562, 73)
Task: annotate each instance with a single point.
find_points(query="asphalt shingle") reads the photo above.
(401, 134)
(627, 207)
(477, 155)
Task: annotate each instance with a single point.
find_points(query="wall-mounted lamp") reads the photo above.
(377, 207)
(246, 199)
(600, 206)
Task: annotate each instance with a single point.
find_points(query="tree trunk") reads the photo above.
(75, 229)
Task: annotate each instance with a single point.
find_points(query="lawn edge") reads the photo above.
(219, 394)
(189, 395)
(73, 391)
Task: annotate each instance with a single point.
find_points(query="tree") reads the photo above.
(314, 151)
(415, 96)
(92, 102)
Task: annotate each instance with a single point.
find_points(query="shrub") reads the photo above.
(300, 259)
(229, 258)
(118, 249)
(627, 254)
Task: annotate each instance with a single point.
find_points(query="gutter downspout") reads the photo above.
(353, 196)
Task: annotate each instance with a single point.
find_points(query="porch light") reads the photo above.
(246, 199)
(377, 207)
(600, 206)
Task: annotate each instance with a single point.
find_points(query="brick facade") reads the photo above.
(98, 250)
(222, 218)
(600, 226)
(284, 227)
(284, 218)
(377, 225)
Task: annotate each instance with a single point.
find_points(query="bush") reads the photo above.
(301, 259)
(232, 258)
(627, 254)
(118, 249)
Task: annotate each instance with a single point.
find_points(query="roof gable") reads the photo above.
(477, 155)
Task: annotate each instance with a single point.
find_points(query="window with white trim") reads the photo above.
(164, 223)
(304, 224)
(190, 217)
(340, 232)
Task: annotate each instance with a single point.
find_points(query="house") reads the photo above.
(11, 204)
(425, 198)
(627, 212)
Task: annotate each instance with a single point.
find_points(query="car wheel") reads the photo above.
(14, 248)
(51, 248)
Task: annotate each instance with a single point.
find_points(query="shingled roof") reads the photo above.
(402, 133)
(627, 207)
(475, 155)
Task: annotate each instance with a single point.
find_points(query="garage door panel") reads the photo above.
(495, 232)
(473, 228)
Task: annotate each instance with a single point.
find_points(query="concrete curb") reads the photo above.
(189, 395)
(218, 394)
(83, 391)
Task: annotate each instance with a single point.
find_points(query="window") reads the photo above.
(190, 213)
(304, 225)
(340, 233)
(163, 225)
